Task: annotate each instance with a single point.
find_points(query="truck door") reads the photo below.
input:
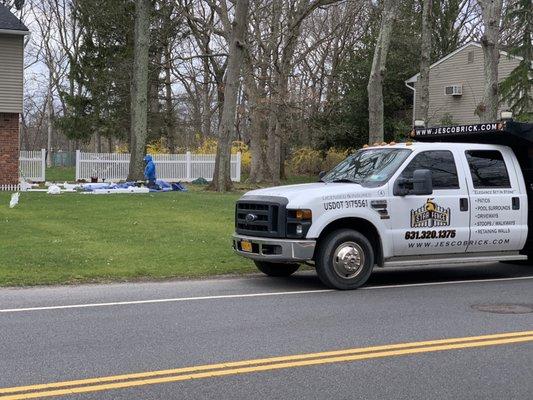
(438, 223)
(499, 204)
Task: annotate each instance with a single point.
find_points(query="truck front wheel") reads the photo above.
(344, 260)
(276, 269)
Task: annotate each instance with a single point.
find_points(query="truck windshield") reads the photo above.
(372, 167)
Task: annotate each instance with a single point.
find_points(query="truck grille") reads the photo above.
(260, 218)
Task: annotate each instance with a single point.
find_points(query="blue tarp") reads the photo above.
(163, 185)
(168, 187)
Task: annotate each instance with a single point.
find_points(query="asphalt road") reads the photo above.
(57, 334)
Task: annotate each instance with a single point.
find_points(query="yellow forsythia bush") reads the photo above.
(209, 146)
(157, 147)
(334, 157)
(307, 161)
(122, 148)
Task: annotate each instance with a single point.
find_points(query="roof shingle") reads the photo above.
(8, 21)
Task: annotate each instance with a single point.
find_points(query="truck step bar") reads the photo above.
(454, 259)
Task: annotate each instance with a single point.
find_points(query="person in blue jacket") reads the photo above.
(149, 171)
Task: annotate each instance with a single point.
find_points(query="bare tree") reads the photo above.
(454, 23)
(294, 52)
(139, 89)
(425, 58)
(51, 54)
(222, 178)
(491, 11)
(284, 42)
(377, 74)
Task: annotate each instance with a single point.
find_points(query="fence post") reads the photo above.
(238, 177)
(78, 156)
(43, 165)
(188, 158)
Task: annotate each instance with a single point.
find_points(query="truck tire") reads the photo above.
(345, 259)
(276, 269)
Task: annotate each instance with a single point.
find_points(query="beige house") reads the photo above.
(456, 85)
(12, 36)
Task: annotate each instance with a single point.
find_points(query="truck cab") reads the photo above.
(452, 195)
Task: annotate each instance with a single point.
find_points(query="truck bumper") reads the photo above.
(275, 250)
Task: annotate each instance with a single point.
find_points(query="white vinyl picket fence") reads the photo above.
(32, 165)
(170, 167)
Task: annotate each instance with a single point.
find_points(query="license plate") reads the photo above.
(246, 246)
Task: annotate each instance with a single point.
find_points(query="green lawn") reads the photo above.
(78, 238)
(61, 174)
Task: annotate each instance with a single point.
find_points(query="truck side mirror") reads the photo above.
(402, 186)
(420, 184)
(321, 175)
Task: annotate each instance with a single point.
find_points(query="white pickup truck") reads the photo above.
(454, 195)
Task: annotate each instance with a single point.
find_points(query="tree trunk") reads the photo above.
(206, 113)
(275, 137)
(491, 11)
(97, 143)
(425, 59)
(49, 128)
(170, 122)
(256, 94)
(279, 90)
(154, 85)
(377, 74)
(49, 123)
(139, 89)
(256, 146)
(222, 178)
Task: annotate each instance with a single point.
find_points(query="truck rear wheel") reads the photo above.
(276, 269)
(345, 259)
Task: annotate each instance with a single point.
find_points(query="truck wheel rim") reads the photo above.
(348, 260)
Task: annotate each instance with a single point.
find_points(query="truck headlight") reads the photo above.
(298, 222)
(304, 214)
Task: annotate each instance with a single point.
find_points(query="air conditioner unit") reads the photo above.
(454, 90)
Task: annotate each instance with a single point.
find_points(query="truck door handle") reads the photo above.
(463, 204)
(515, 201)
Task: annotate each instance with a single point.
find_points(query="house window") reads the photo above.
(471, 57)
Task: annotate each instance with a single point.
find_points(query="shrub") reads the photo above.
(334, 157)
(307, 161)
(157, 147)
(209, 146)
(122, 148)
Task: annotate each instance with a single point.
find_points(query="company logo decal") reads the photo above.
(429, 215)
(250, 218)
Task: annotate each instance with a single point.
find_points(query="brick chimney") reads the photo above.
(9, 148)
(12, 34)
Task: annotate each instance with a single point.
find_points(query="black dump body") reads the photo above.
(517, 135)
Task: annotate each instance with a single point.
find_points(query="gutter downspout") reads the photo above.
(414, 100)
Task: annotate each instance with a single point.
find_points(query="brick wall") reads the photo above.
(9, 148)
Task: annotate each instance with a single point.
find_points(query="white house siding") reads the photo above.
(11, 73)
(457, 70)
